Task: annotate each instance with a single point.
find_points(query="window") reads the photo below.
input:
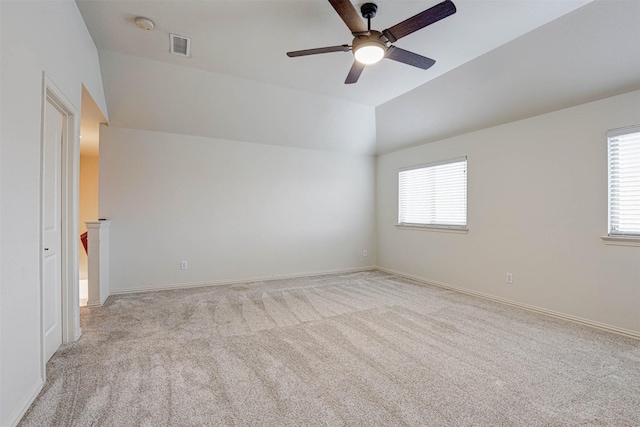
(434, 195)
(624, 182)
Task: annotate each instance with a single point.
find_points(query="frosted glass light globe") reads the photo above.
(369, 53)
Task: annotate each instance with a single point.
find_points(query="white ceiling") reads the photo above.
(249, 39)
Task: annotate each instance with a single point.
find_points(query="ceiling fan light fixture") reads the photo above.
(369, 49)
(369, 53)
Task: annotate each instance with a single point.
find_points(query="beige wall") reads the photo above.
(537, 207)
(88, 202)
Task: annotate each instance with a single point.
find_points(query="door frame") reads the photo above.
(69, 194)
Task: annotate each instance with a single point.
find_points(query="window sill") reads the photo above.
(621, 241)
(433, 228)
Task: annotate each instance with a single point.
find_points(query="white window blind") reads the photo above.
(624, 182)
(434, 194)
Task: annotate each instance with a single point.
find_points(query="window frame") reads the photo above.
(444, 227)
(615, 238)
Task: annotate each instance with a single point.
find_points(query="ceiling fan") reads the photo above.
(370, 46)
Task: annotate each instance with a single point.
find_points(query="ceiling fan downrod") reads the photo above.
(368, 11)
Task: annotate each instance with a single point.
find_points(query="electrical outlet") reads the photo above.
(364, 253)
(509, 278)
(184, 265)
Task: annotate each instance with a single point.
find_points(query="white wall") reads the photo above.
(36, 36)
(537, 206)
(233, 210)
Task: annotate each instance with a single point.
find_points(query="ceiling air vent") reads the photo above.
(180, 45)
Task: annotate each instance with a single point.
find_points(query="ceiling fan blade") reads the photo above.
(354, 72)
(421, 20)
(349, 15)
(409, 58)
(343, 48)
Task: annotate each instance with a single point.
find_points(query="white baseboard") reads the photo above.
(170, 287)
(92, 304)
(24, 406)
(556, 314)
(559, 315)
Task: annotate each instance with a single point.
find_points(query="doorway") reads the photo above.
(58, 222)
(90, 119)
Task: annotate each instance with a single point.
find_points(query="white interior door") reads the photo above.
(52, 233)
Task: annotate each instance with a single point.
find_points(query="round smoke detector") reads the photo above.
(144, 23)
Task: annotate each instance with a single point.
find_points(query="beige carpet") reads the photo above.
(362, 349)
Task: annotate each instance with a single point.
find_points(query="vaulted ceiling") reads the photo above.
(503, 60)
